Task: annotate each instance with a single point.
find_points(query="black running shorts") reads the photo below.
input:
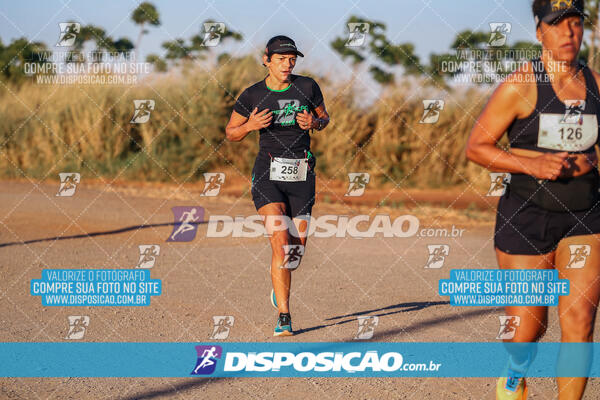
(524, 228)
(299, 197)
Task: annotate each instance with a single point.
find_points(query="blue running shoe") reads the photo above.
(511, 388)
(284, 325)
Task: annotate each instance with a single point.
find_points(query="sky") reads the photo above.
(430, 25)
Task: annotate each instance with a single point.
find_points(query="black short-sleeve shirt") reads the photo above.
(283, 137)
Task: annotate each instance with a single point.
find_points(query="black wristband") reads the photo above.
(320, 124)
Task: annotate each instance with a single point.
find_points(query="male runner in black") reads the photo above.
(284, 108)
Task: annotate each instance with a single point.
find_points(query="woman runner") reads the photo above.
(283, 107)
(550, 110)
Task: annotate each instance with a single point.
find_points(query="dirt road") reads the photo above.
(339, 280)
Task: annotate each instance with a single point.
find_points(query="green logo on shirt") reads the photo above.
(286, 115)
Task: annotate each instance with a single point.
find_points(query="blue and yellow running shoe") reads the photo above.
(273, 298)
(284, 325)
(511, 388)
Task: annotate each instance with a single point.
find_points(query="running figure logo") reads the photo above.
(508, 326)
(499, 34)
(186, 223)
(148, 254)
(212, 33)
(68, 33)
(68, 183)
(293, 255)
(77, 326)
(579, 254)
(142, 111)
(207, 359)
(437, 255)
(498, 183)
(357, 33)
(573, 112)
(213, 182)
(222, 326)
(358, 183)
(366, 327)
(431, 112)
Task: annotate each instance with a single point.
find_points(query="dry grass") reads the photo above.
(50, 129)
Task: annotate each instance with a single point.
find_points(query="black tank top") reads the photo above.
(555, 126)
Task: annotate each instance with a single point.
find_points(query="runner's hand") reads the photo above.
(549, 165)
(305, 120)
(259, 120)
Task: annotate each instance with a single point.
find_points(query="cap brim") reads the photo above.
(283, 51)
(556, 16)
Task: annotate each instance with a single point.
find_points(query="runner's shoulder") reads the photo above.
(522, 79)
(519, 88)
(256, 87)
(302, 80)
(596, 76)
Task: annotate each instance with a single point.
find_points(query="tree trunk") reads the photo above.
(138, 42)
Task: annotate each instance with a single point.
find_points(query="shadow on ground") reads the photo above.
(403, 307)
(92, 234)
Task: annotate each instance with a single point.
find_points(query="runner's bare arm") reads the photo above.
(239, 126)
(323, 116)
(512, 99)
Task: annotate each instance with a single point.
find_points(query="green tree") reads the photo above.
(123, 45)
(197, 41)
(380, 49)
(103, 42)
(93, 33)
(473, 46)
(14, 56)
(469, 39)
(177, 50)
(159, 64)
(145, 13)
(89, 33)
(180, 50)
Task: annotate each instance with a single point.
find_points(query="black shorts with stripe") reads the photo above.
(298, 197)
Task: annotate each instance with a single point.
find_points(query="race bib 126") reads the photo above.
(562, 132)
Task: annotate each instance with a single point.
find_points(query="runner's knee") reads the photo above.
(531, 332)
(577, 325)
(278, 241)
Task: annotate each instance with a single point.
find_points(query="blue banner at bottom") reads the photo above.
(314, 359)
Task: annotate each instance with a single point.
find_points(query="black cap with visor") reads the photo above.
(282, 44)
(552, 11)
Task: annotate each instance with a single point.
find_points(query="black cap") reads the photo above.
(550, 11)
(282, 44)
